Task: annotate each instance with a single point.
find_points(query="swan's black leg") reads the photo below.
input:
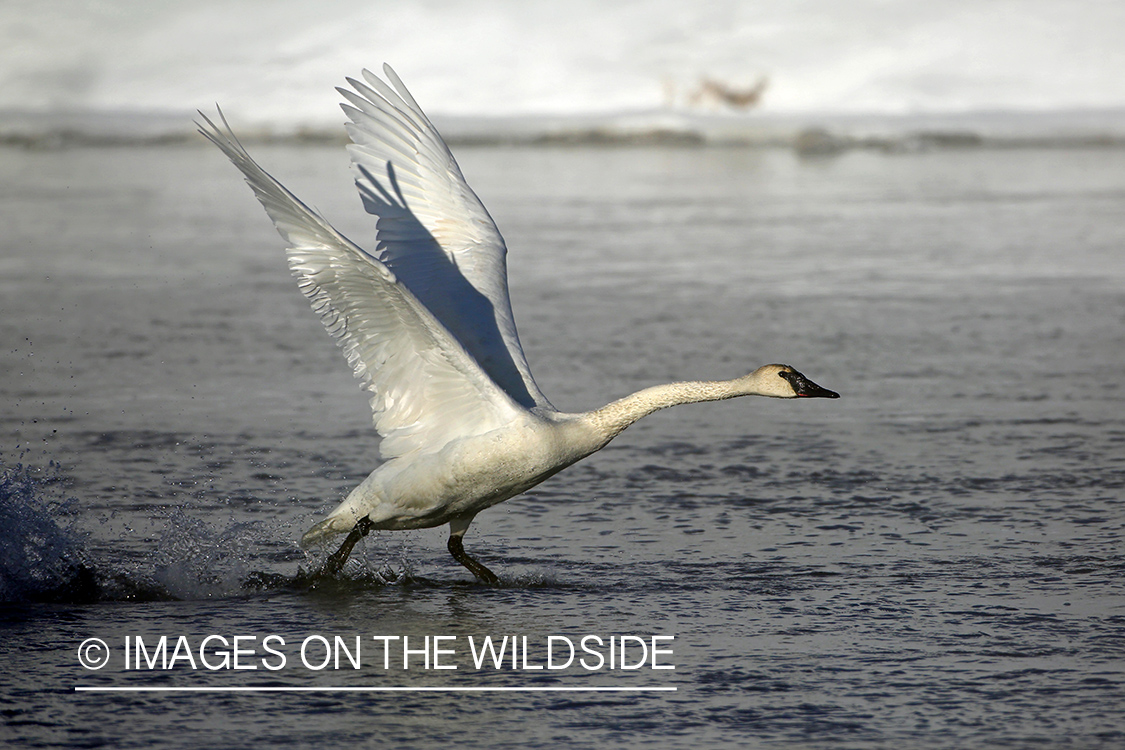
(457, 549)
(336, 560)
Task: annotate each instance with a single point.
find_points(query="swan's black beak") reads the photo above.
(805, 388)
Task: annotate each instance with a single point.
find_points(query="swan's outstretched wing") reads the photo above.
(433, 231)
(426, 388)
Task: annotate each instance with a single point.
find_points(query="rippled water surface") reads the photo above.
(934, 560)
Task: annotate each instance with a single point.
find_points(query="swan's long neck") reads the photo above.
(776, 381)
(614, 417)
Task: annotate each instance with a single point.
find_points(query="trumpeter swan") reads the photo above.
(426, 324)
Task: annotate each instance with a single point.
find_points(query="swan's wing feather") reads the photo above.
(426, 389)
(433, 231)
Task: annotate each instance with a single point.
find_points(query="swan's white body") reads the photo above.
(468, 474)
(426, 323)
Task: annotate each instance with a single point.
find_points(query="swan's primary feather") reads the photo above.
(433, 231)
(427, 390)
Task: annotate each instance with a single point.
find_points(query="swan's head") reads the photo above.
(782, 381)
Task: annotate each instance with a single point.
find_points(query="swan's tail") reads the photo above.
(325, 530)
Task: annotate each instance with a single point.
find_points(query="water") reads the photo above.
(934, 560)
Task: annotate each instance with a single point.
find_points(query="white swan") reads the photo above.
(426, 325)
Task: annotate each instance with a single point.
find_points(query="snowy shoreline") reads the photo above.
(807, 133)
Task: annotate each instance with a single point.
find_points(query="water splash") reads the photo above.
(45, 556)
(42, 555)
(194, 560)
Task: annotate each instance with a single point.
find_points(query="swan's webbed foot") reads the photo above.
(335, 562)
(457, 549)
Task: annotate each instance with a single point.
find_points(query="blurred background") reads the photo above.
(275, 63)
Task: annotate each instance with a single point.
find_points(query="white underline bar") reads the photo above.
(266, 689)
